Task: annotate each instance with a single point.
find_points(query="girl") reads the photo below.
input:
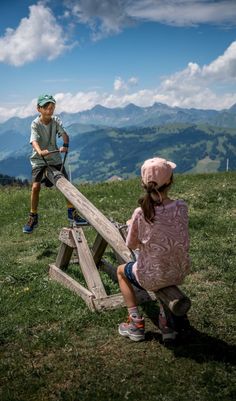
(159, 229)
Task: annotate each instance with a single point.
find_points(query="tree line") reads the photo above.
(6, 180)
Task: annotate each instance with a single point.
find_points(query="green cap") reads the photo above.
(43, 99)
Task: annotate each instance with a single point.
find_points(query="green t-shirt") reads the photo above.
(46, 136)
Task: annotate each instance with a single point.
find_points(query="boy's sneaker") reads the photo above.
(74, 218)
(31, 223)
(134, 329)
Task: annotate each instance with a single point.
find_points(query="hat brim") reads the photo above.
(172, 165)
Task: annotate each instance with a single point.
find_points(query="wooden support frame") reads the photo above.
(94, 295)
(108, 233)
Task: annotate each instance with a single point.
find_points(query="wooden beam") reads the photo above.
(63, 256)
(175, 299)
(68, 282)
(98, 248)
(101, 224)
(66, 237)
(109, 302)
(141, 295)
(172, 296)
(87, 265)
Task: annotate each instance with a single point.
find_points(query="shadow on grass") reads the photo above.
(204, 348)
(200, 347)
(195, 345)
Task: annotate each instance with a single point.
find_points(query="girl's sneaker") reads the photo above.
(166, 324)
(31, 223)
(167, 331)
(134, 329)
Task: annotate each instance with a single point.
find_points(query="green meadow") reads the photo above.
(53, 348)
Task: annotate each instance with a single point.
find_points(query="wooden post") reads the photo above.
(88, 266)
(98, 248)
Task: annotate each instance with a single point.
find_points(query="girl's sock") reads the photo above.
(134, 312)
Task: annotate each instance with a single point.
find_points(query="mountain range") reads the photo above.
(114, 142)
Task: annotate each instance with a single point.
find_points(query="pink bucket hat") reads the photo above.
(157, 170)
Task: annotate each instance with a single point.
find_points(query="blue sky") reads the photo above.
(114, 52)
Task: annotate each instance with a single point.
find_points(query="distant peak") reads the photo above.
(160, 105)
(132, 106)
(233, 108)
(99, 107)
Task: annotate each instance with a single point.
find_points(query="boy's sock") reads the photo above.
(33, 211)
(134, 312)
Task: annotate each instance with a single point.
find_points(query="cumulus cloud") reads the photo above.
(120, 84)
(194, 86)
(37, 36)
(41, 35)
(197, 86)
(184, 12)
(107, 17)
(224, 67)
(103, 16)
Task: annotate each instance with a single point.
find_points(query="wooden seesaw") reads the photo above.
(73, 239)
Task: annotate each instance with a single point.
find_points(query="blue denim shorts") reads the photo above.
(128, 271)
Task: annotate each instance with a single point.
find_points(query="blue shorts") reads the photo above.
(128, 271)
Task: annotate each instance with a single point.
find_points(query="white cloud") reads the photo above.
(195, 86)
(107, 17)
(133, 81)
(184, 12)
(41, 36)
(224, 67)
(121, 85)
(37, 36)
(103, 16)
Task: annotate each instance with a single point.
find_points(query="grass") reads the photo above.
(52, 348)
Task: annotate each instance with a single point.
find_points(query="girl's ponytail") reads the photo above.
(152, 198)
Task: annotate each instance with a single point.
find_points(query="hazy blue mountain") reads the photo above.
(107, 142)
(17, 124)
(121, 151)
(131, 115)
(10, 142)
(101, 154)
(158, 114)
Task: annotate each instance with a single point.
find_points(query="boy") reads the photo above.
(44, 131)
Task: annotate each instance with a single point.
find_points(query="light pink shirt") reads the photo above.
(163, 246)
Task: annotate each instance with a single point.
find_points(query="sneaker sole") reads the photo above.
(72, 223)
(133, 337)
(169, 336)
